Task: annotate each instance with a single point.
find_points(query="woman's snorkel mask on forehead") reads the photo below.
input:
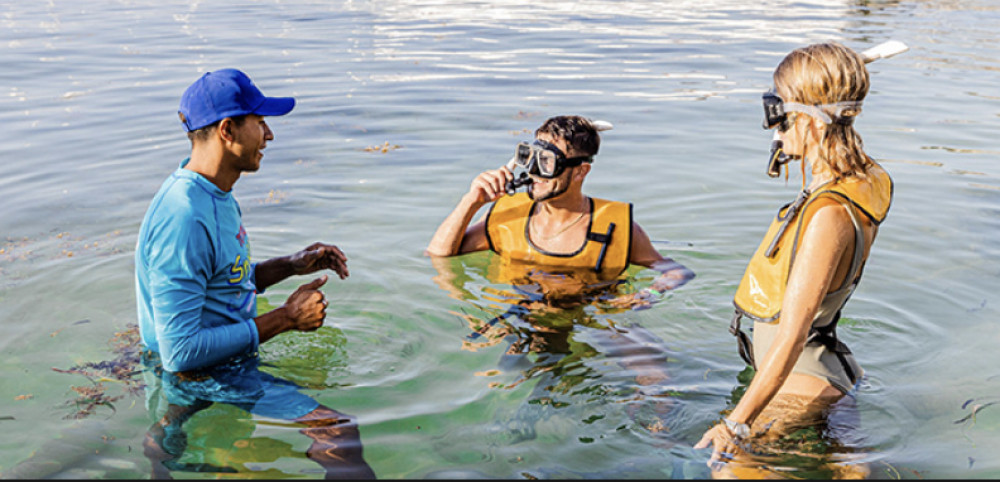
(776, 110)
(545, 160)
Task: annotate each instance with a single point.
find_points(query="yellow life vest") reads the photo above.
(762, 290)
(604, 253)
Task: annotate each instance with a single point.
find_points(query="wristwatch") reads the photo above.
(740, 430)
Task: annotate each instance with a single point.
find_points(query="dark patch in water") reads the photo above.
(123, 368)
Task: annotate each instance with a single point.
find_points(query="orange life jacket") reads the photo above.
(762, 290)
(605, 251)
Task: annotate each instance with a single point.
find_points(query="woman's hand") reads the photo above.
(724, 444)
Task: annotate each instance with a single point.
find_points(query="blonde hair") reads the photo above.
(829, 73)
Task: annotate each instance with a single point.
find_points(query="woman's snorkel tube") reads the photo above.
(881, 51)
(884, 50)
(778, 156)
(524, 179)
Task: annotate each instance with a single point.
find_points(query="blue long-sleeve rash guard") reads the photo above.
(195, 285)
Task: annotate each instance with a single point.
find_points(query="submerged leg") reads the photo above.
(166, 441)
(336, 444)
(793, 438)
(644, 356)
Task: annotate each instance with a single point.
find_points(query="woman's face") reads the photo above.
(802, 131)
(791, 138)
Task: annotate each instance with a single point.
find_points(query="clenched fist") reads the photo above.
(306, 307)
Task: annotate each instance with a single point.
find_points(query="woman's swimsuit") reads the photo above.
(762, 289)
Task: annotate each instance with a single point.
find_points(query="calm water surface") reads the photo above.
(400, 105)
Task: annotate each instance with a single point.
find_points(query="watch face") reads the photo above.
(740, 430)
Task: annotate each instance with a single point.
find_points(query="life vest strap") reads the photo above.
(605, 240)
(786, 219)
(827, 336)
(743, 342)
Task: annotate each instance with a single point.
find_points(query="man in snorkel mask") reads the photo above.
(562, 253)
(554, 224)
(544, 164)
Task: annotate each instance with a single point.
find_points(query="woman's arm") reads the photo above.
(827, 237)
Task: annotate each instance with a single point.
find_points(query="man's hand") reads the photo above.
(306, 307)
(673, 275)
(640, 300)
(454, 235)
(319, 256)
(490, 185)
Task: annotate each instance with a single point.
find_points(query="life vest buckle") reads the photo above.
(605, 240)
(743, 341)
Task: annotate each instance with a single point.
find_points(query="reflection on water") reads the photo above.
(555, 324)
(613, 46)
(557, 334)
(442, 89)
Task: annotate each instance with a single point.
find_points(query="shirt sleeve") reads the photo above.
(180, 266)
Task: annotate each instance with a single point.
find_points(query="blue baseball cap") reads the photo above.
(227, 93)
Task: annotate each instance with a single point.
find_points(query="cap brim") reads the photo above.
(275, 106)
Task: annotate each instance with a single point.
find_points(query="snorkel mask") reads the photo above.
(542, 159)
(776, 109)
(545, 160)
(776, 117)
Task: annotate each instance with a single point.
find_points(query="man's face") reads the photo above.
(542, 189)
(249, 139)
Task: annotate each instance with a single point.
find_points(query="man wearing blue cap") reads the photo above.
(196, 285)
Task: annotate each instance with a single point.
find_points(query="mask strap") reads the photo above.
(818, 111)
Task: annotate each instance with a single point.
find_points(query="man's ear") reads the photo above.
(225, 129)
(582, 171)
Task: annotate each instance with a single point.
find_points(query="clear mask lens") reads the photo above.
(522, 155)
(547, 162)
(538, 158)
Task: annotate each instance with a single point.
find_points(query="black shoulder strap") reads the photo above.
(604, 239)
(743, 342)
(827, 336)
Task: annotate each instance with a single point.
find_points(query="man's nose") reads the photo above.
(268, 135)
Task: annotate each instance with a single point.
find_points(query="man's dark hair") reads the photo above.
(203, 133)
(578, 132)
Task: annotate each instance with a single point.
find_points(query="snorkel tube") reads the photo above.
(778, 156)
(524, 179)
(883, 50)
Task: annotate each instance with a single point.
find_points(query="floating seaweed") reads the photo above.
(90, 398)
(274, 197)
(975, 410)
(384, 148)
(123, 369)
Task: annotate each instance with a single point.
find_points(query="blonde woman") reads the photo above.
(809, 262)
